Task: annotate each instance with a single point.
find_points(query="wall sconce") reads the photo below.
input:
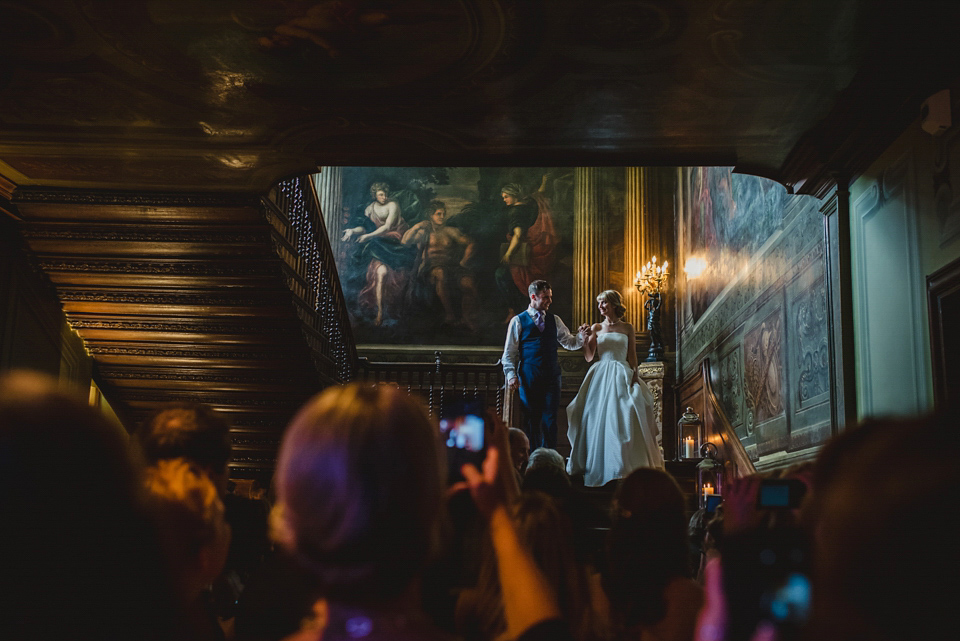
(694, 267)
(709, 474)
(651, 281)
(689, 435)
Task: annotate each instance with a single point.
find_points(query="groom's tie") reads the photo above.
(540, 324)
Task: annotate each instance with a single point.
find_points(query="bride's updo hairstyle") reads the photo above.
(612, 297)
(359, 482)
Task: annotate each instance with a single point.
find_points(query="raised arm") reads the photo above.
(528, 598)
(566, 338)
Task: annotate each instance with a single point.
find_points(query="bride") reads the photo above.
(611, 426)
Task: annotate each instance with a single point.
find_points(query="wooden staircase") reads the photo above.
(228, 300)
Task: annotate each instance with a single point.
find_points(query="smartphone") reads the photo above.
(465, 440)
(713, 500)
(781, 493)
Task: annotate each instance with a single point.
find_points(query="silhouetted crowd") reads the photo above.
(369, 532)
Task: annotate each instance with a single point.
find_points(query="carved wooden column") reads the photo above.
(329, 184)
(589, 245)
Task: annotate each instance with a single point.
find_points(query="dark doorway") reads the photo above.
(943, 300)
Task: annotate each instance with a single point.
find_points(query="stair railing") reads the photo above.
(720, 432)
(301, 241)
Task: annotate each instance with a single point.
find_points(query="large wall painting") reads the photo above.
(758, 311)
(729, 217)
(442, 255)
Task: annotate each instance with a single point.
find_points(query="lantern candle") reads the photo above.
(707, 489)
(688, 447)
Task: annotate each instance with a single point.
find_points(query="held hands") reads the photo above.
(513, 384)
(585, 330)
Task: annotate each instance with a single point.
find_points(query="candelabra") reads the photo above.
(651, 281)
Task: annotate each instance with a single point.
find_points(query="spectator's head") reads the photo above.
(359, 481)
(190, 518)
(546, 472)
(78, 553)
(190, 431)
(545, 457)
(519, 448)
(646, 547)
(885, 562)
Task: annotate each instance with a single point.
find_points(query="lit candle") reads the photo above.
(707, 489)
(688, 447)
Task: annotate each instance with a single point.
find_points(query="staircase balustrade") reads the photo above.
(300, 238)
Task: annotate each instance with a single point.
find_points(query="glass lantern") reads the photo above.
(709, 474)
(689, 435)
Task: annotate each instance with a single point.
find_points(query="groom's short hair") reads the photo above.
(538, 286)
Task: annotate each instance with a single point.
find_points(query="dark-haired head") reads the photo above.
(79, 556)
(885, 562)
(647, 546)
(538, 287)
(186, 430)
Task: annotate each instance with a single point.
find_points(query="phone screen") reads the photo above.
(713, 500)
(463, 432)
(774, 495)
(463, 437)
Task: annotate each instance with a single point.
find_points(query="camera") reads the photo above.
(781, 493)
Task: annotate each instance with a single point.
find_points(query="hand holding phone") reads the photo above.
(464, 438)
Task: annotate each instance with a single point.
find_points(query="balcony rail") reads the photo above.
(439, 383)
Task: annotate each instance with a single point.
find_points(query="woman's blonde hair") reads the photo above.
(612, 297)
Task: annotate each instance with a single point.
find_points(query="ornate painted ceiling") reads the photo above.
(234, 94)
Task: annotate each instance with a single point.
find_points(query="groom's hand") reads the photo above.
(585, 330)
(513, 384)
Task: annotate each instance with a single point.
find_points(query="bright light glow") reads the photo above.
(694, 267)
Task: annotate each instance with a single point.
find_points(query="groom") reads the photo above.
(530, 363)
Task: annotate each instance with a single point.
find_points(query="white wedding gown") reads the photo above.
(611, 425)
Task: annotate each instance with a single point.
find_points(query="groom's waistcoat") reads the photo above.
(538, 350)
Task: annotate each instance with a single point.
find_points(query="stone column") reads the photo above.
(329, 185)
(636, 243)
(589, 245)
